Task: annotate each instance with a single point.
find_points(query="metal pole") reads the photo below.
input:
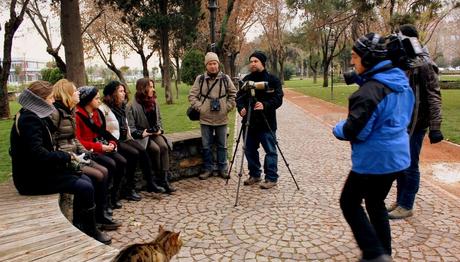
(332, 78)
(212, 6)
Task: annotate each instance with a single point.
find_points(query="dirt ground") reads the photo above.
(329, 114)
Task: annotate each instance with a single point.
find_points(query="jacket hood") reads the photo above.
(393, 78)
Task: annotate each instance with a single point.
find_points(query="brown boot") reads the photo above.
(252, 180)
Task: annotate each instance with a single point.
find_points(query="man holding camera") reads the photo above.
(213, 95)
(376, 126)
(422, 73)
(262, 94)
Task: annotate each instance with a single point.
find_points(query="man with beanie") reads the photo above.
(376, 126)
(262, 126)
(213, 95)
(423, 78)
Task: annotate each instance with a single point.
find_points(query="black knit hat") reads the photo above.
(87, 93)
(408, 30)
(111, 87)
(259, 55)
(371, 48)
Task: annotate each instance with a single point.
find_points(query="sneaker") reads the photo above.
(267, 184)
(205, 175)
(252, 180)
(224, 174)
(392, 207)
(400, 212)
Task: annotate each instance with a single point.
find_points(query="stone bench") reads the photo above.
(186, 160)
(34, 228)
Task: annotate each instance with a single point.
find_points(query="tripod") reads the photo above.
(252, 100)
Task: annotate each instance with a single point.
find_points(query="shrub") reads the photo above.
(51, 75)
(289, 71)
(192, 66)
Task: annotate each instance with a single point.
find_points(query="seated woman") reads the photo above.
(92, 134)
(114, 109)
(145, 124)
(66, 97)
(40, 169)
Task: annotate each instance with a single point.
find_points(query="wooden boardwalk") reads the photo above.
(33, 228)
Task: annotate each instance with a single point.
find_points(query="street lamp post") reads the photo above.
(212, 6)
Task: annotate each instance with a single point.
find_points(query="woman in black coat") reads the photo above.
(40, 169)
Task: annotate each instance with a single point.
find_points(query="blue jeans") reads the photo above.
(408, 183)
(255, 138)
(214, 135)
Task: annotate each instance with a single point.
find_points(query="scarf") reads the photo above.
(34, 103)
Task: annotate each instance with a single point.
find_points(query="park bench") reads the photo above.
(33, 228)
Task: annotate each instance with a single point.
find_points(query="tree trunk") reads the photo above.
(178, 75)
(162, 73)
(10, 29)
(72, 41)
(117, 72)
(281, 73)
(326, 76)
(164, 43)
(145, 69)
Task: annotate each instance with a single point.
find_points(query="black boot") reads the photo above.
(85, 220)
(152, 186)
(106, 222)
(164, 182)
(132, 195)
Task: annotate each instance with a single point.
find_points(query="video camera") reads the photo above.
(401, 50)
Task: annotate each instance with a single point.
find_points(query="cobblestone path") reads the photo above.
(284, 224)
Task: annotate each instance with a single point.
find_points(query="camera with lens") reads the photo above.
(215, 104)
(153, 130)
(350, 77)
(101, 140)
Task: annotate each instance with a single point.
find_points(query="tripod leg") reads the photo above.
(240, 173)
(234, 154)
(279, 149)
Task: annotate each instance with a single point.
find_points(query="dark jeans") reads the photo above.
(408, 184)
(372, 234)
(134, 153)
(254, 140)
(214, 135)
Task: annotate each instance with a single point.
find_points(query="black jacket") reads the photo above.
(37, 167)
(272, 99)
(423, 79)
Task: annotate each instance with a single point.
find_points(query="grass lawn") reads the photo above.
(450, 102)
(173, 117)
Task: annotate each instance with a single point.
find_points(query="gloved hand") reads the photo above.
(81, 159)
(435, 136)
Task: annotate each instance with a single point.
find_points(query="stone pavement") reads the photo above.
(284, 224)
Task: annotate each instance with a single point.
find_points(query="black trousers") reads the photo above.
(116, 165)
(134, 153)
(372, 233)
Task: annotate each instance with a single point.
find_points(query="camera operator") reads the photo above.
(427, 114)
(376, 126)
(264, 104)
(213, 95)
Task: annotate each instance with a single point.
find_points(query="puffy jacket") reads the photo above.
(378, 117)
(272, 99)
(64, 121)
(223, 90)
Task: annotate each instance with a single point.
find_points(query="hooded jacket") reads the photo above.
(379, 113)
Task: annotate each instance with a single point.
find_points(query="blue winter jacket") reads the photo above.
(378, 115)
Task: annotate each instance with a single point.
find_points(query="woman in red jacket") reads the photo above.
(92, 134)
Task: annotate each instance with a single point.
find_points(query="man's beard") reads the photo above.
(212, 74)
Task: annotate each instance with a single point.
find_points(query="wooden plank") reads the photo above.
(89, 253)
(29, 226)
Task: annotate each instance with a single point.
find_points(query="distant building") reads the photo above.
(23, 71)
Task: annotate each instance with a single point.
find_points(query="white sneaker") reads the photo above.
(400, 212)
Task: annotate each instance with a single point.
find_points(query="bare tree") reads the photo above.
(11, 26)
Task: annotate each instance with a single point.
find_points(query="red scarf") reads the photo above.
(149, 103)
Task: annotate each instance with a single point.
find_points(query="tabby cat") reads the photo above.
(166, 245)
